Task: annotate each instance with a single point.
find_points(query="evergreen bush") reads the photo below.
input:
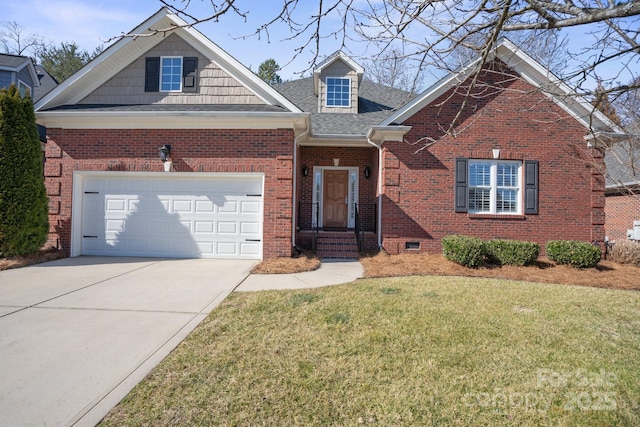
(463, 250)
(23, 200)
(511, 252)
(575, 253)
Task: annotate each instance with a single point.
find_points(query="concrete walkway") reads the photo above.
(331, 272)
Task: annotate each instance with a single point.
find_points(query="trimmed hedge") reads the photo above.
(463, 250)
(511, 252)
(575, 253)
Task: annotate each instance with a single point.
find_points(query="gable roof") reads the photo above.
(16, 63)
(375, 103)
(531, 71)
(126, 50)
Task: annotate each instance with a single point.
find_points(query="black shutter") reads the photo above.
(152, 74)
(190, 74)
(531, 187)
(461, 185)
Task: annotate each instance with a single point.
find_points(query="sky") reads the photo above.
(90, 23)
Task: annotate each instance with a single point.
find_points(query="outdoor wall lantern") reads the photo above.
(165, 151)
(367, 172)
(305, 170)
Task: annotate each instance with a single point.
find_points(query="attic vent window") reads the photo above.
(338, 92)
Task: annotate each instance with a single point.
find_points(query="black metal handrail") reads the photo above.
(357, 228)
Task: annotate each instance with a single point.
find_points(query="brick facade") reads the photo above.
(192, 150)
(620, 211)
(506, 114)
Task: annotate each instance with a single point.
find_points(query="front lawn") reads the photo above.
(403, 351)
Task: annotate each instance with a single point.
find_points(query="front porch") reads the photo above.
(337, 204)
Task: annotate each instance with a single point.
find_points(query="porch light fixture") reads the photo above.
(165, 151)
(367, 172)
(305, 170)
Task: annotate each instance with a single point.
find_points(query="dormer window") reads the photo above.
(338, 92)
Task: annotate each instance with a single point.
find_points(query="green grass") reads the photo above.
(405, 351)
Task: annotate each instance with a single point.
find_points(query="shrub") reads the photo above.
(511, 252)
(463, 250)
(24, 221)
(625, 252)
(575, 253)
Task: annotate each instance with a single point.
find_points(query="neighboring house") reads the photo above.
(20, 71)
(256, 172)
(47, 83)
(622, 205)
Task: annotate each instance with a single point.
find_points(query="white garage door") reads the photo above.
(171, 215)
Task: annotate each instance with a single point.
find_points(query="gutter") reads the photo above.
(294, 198)
(379, 147)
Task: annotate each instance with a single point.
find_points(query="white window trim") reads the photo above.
(318, 196)
(20, 82)
(162, 58)
(326, 95)
(494, 186)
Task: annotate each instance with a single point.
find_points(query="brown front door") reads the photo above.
(336, 192)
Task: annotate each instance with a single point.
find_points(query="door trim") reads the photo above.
(353, 189)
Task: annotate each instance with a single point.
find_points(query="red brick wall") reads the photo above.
(621, 211)
(193, 150)
(418, 201)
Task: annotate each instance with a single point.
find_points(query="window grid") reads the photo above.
(494, 187)
(338, 92)
(171, 74)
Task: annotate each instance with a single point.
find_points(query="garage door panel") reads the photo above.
(172, 216)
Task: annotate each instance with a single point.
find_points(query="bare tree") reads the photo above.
(13, 40)
(393, 69)
(432, 30)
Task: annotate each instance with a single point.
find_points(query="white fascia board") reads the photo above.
(172, 120)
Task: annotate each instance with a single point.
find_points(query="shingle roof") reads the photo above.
(171, 107)
(623, 164)
(11, 61)
(375, 103)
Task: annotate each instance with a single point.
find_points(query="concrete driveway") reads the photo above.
(76, 335)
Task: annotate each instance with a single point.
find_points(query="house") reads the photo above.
(622, 207)
(165, 145)
(20, 71)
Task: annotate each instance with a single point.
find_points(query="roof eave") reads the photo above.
(299, 122)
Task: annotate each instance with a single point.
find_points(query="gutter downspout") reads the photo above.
(379, 147)
(294, 199)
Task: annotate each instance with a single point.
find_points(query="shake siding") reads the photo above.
(214, 85)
